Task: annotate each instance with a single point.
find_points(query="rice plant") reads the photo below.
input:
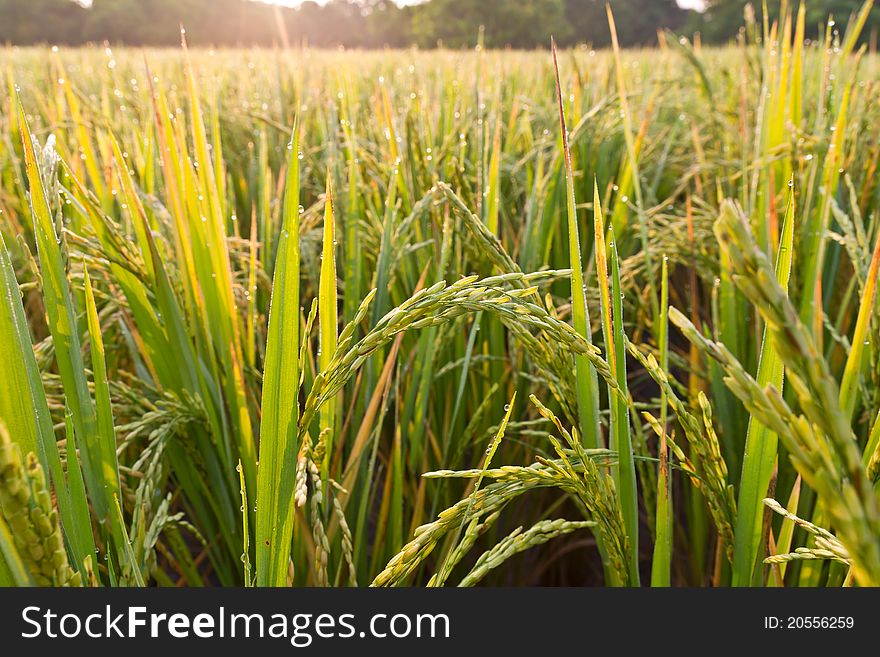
(301, 317)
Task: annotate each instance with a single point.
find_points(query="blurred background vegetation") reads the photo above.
(383, 23)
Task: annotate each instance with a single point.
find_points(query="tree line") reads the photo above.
(379, 23)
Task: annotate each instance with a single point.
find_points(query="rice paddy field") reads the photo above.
(442, 318)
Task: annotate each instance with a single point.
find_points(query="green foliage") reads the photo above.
(235, 352)
(41, 21)
(637, 21)
(506, 22)
(352, 23)
(723, 19)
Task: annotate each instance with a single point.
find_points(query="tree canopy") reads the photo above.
(379, 23)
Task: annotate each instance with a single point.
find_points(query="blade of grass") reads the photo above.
(622, 439)
(278, 431)
(586, 380)
(328, 319)
(661, 565)
(856, 361)
(611, 304)
(245, 548)
(104, 412)
(105, 436)
(632, 154)
(25, 411)
(761, 443)
(814, 253)
(129, 562)
(60, 308)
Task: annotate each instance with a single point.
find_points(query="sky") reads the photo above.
(691, 4)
